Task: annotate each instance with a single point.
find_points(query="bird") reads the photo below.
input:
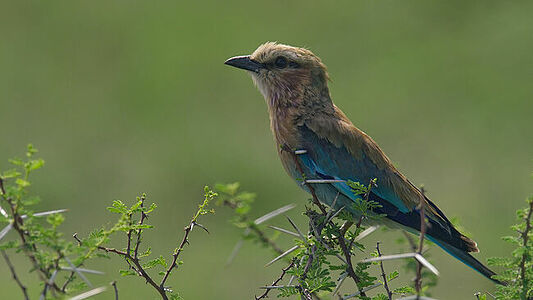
(319, 144)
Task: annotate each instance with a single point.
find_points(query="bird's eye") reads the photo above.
(281, 62)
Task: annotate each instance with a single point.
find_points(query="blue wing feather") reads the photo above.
(327, 159)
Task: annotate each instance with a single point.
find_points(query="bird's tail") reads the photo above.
(467, 259)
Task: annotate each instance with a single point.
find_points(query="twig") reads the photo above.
(525, 255)
(14, 274)
(283, 271)
(385, 283)
(255, 228)
(422, 208)
(347, 250)
(47, 284)
(141, 221)
(265, 239)
(348, 257)
(138, 268)
(2, 189)
(29, 248)
(114, 284)
(177, 252)
(68, 281)
(309, 262)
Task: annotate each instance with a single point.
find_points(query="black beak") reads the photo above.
(244, 62)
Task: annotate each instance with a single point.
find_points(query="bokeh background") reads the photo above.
(123, 97)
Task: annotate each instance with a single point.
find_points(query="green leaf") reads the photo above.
(150, 209)
(35, 164)
(154, 262)
(394, 274)
(11, 173)
(118, 207)
(22, 183)
(55, 219)
(136, 205)
(30, 201)
(16, 161)
(175, 296)
(127, 273)
(403, 290)
(230, 188)
(9, 245)
(31, 150)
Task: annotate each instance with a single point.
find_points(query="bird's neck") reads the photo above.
(288, 112)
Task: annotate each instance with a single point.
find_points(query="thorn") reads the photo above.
(297, 230)
(365, 233)
(282, 255)
(201, 226)
(334, 215)
(4, 213)
(426, 263)
(284, 231)
(82, 270)
(80, 274)
(304, 182)
(5, 231)
(88, 294)
(75, 236)
(274, 213)
(234, 252)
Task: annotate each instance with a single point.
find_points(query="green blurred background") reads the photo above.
(123, 97)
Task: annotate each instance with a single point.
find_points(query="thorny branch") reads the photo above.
(114, 284)
(283, 271)
(525, 240)
(29, 248)
(139, 232)
(14, 274)
(138, 268)
(177, 252)
(265, 239)
(385, 283)
(257, 231)
(348, 256)
(133, 260)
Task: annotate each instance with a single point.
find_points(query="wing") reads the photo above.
(338, 150)
(349, 158)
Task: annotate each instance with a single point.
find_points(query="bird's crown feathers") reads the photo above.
(271, 53)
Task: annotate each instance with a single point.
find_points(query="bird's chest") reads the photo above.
(288, 139)
(284, 126)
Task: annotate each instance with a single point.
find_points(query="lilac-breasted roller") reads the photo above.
(294, 83)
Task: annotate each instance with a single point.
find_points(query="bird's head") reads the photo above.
(284, 74)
